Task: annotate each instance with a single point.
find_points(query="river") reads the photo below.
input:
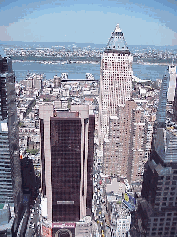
(78, 70)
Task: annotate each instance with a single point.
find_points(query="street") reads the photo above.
(33, 226)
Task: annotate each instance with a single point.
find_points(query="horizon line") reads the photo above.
(82, 43)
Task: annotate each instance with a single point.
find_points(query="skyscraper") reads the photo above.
(157, 209)
(161, 111)
(118, 147)
(167, 94)
(121, 120)
(10, 163)
(160, 185)
(10, 175)
(172, 83)
(124, 149)
(67, 141)
(115, 78)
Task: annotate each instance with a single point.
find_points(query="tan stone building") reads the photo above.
(124, 149)
(115, 79)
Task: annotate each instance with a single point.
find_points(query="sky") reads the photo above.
(143, 22)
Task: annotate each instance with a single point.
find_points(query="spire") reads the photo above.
(117, 41)
(117, 29)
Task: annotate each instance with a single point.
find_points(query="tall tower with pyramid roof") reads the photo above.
(115, 78)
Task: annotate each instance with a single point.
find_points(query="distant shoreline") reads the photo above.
(87, 61)
(58, 62)
(54, 59)
(148, 63)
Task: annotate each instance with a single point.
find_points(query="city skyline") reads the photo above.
(104, 150)
(151, 23)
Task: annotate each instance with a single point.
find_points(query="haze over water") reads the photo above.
(78, 71)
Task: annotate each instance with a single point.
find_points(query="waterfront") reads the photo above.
(78, 70)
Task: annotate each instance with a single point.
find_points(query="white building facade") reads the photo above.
(123, 226)
(172, 83)
(115, 78)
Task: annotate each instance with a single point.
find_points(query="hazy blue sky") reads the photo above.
(146, 22)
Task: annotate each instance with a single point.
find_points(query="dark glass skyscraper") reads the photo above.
(10, 172)
(157, 209)
(67, 145)
(9, 150)
(65, 136)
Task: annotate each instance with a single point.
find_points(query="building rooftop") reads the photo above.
(116, 187)
(117, 41)
(6, 217)
(166, 144)
(159, 168)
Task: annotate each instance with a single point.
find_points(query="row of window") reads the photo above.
(165, 234)
(163, 219)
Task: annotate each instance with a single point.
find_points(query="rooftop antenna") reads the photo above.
(172, 62)
(118, 29)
